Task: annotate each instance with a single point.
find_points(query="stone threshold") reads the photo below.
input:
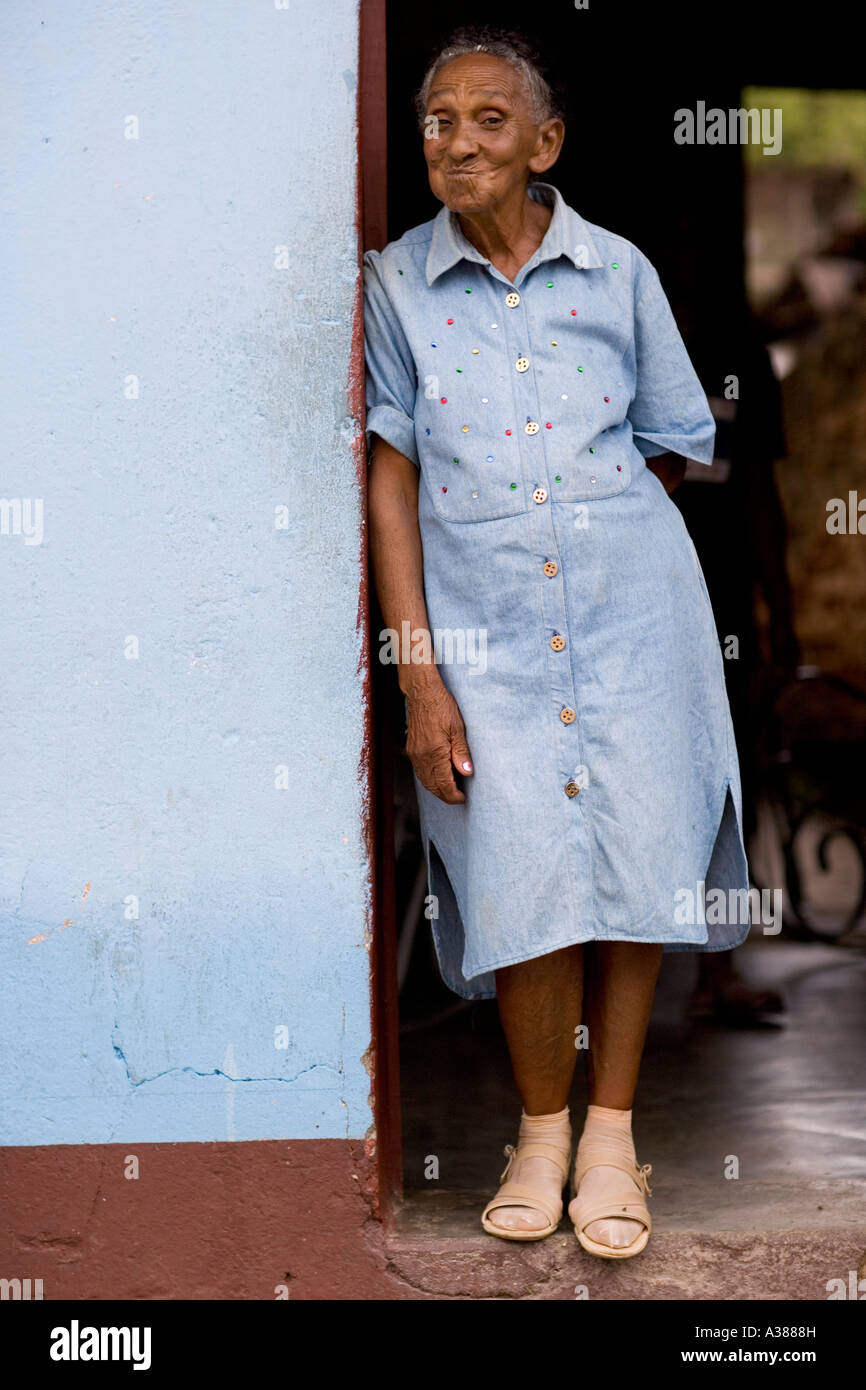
(436, 1245)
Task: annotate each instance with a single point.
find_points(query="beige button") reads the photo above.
(512, 299)
(531, 427)
(522, 364)
(539, 495)
(567, 715)
(557, 642)
(551, 568)
(571, 789)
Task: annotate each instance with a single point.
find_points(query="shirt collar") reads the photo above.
(567, 235)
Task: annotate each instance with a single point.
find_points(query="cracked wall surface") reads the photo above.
(184, 883)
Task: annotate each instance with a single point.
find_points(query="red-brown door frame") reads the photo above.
(385, 1061)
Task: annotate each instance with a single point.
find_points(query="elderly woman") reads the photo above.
(530, 404)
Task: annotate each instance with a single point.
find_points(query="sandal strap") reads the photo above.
(538, 1148)
(609, 1153)
(517, 1194)
(638, 1175)
(620, 1206)
(520, 1194)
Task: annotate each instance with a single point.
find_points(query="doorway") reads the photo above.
(621, 80)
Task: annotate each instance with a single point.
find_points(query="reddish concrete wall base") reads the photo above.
(224, 1221)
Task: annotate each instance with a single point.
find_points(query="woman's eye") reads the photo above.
(441, 123)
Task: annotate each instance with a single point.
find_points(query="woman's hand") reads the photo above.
(436, 739)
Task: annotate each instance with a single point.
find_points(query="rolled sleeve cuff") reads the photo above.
(395, 428)
(697, 445)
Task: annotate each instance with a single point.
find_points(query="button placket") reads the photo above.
(535, 465)
(534, 462)
(554, 631)
(554, 634)
(516, 344)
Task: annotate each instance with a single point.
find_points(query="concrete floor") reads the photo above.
(787, 1101)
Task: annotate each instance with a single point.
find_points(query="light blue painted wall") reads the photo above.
(155, 777)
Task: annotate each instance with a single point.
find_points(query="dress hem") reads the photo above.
(703, 943)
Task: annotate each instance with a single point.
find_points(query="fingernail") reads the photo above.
(467, 767)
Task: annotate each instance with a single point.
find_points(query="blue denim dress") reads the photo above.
(567, 606)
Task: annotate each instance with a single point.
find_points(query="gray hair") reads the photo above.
(498, 43)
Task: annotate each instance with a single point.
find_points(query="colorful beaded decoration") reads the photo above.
(485, 399)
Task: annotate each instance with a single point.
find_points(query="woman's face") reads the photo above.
(481, 142)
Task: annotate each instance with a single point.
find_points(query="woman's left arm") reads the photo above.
(670, 469)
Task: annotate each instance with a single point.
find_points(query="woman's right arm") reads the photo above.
(436, 737)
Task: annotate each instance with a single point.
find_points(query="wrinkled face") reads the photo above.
(481, 141)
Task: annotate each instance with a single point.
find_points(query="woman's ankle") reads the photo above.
(551, 1117)
(603, 1114)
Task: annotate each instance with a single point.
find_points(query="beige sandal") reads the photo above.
(517, 1194)
(626, 1206)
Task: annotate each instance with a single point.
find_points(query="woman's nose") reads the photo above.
(464, 140)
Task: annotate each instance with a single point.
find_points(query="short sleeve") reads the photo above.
(669, 412)
(390, 368)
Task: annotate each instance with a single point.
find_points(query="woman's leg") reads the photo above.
(620, 984)
(539, 1005)
(620, 981)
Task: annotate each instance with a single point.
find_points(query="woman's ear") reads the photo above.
(548, 145)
